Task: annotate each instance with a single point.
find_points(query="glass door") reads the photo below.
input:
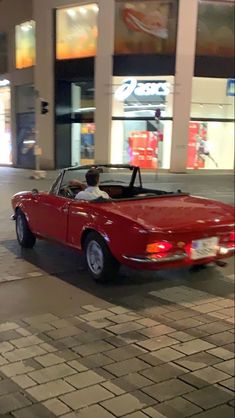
(5, 130)
(83, 127)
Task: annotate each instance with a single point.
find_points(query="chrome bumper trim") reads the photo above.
(147, 260)
(227, 249)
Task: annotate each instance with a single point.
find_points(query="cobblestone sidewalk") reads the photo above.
(174, 361)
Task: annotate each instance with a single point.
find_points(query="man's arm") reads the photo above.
(77, 183)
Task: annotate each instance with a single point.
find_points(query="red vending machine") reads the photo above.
(143, 147)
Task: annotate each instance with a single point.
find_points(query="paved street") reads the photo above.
(149, 345)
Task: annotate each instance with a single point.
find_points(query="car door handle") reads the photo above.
(78, 213)
(65, 209)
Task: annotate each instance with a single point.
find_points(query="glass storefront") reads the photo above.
(146, 26)
(5, 129)
(76, 31)
(137, 138)
(211, 133)
(25, 126)
(25, 44)
(83, 127)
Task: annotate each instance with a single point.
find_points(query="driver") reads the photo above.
(92, 190)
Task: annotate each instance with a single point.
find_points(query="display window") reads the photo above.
(211, 132)
(146, 26)
(25, 124)
(87, 143)
(137, 137)
(5, 131)
(215, 35)
(83, 133)
(76, 31)
(25, 44)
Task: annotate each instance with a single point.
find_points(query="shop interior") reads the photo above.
(137, 137)
(211, 133)
(83, 132)
(5, 128)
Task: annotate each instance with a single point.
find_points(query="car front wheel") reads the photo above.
(100, 262)
(24, 236)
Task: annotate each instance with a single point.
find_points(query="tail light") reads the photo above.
(160, 247)
(232, 239)
(232, 236)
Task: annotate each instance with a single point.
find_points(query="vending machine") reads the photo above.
(143, 149)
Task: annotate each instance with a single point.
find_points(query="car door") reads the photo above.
(52, 216)
(80, 218)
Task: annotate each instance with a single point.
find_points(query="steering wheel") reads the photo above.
(67, 192)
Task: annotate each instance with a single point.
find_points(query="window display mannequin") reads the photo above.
(204, 150)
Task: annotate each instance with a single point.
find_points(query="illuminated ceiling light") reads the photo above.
(25, 27)
(95, 8)
(83, 11)
(71, 12)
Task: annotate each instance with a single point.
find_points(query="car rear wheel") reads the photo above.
(101, 264)
(24, 236)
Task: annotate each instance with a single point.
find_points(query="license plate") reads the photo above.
(204, 248)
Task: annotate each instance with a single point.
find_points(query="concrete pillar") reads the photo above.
(44, 81)
(103, 80)
(185, 60)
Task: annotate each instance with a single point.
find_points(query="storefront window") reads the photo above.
(146, 27)
(25, 122)
(76, 32)
(216, 28)
(83, 127)
(3, 53)
(5, 131)
(25, 44)
(211, 133)
(137, 138)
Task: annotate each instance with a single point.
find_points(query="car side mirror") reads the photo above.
(35, 191)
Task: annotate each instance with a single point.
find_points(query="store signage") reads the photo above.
(141, 89)
(231, 87)
(4, 82)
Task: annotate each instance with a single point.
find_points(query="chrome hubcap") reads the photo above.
(20, 228)
(95, 257)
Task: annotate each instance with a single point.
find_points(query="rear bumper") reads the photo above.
(227, 251)
(174, 260)
(148, 260)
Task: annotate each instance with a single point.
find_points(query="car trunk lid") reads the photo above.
(175, 213)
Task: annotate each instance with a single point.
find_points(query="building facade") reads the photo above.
(83, 82)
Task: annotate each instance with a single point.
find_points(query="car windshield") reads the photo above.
(108, 175)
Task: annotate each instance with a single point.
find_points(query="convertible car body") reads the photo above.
(140, 227)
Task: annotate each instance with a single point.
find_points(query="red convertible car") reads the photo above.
(139, 227)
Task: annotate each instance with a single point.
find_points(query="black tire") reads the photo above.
(107, 270)
(25, 237)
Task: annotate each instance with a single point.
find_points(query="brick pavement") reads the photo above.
(110, 361)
